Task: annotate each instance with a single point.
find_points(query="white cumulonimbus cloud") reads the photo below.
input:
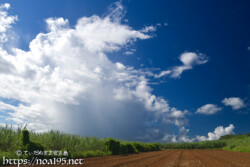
(234, 102)
(66, 80)
(208, 109)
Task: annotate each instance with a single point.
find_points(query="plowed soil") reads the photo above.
(170, 158)
(174, 158)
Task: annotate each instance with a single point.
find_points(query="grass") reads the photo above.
(241, 144)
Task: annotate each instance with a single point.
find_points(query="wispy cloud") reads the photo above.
(148, 29)
(189, 60)
(162, 74)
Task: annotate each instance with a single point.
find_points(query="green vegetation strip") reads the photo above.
(12, 140)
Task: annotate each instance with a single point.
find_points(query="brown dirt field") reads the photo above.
(174, 158)
(169, 158)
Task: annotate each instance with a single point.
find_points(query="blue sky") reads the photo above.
(201, 49)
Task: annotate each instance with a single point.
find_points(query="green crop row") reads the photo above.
(195, 145)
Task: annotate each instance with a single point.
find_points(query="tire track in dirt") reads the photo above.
(159, 160)
(167, 161)
(144, 161)
(132, 163)
(177, 161)
(192, 160)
